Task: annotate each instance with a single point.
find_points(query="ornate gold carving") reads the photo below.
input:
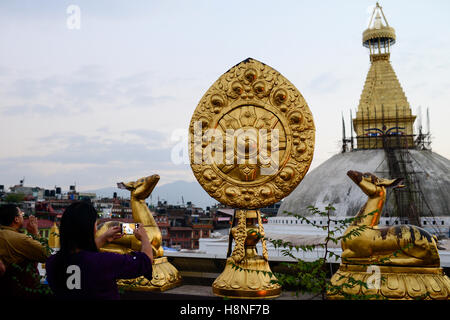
(246, 274)
(271, 144)
(377, 29)
(383, 32)
(251, 143)
(380, 57)
(396, 283)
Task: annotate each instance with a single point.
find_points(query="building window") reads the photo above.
(387, 222)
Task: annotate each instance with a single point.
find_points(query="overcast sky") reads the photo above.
(99, 104)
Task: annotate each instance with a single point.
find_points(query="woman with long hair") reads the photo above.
(80, 271)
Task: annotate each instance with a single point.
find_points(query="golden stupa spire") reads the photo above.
(383, 109)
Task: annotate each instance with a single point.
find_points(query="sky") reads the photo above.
(106, 102)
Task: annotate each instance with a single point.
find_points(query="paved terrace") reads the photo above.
(200, 270)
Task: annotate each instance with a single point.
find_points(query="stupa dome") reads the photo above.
(329, 184)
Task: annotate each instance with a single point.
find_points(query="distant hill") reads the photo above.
(170, 192)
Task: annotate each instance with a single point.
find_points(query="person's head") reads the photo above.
(76, 232)
(11, 216)
(77, 228)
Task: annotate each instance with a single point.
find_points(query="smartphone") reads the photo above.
(128, 228)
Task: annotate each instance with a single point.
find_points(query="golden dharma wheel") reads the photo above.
(251, 137)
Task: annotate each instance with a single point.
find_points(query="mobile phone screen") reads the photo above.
(127, 228)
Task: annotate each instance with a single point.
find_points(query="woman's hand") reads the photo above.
(109, 235)
(142, 236)
(113, 233)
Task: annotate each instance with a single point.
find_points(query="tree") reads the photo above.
(14, 197)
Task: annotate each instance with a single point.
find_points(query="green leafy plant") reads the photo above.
(14, 198)
(312, 276)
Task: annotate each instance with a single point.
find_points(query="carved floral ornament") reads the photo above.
(251, 137)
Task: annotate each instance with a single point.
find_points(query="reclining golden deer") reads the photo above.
(165, 275)
(404, 245)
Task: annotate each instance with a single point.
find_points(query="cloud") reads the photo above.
(150, 101)
(72, 147)
(96, 161)
(26, 88)
(88, 89)
(324, 83)
(151, 137)
(100, 102)
(31, 109)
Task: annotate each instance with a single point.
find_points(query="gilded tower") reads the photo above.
(383, 112)
(386, 146)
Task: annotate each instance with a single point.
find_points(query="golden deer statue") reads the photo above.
(413, 246)
(140, 190)
(165, 275)
(405, 258)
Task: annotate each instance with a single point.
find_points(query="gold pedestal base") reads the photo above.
(396, 283)
(165, 277)
(253, 281)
